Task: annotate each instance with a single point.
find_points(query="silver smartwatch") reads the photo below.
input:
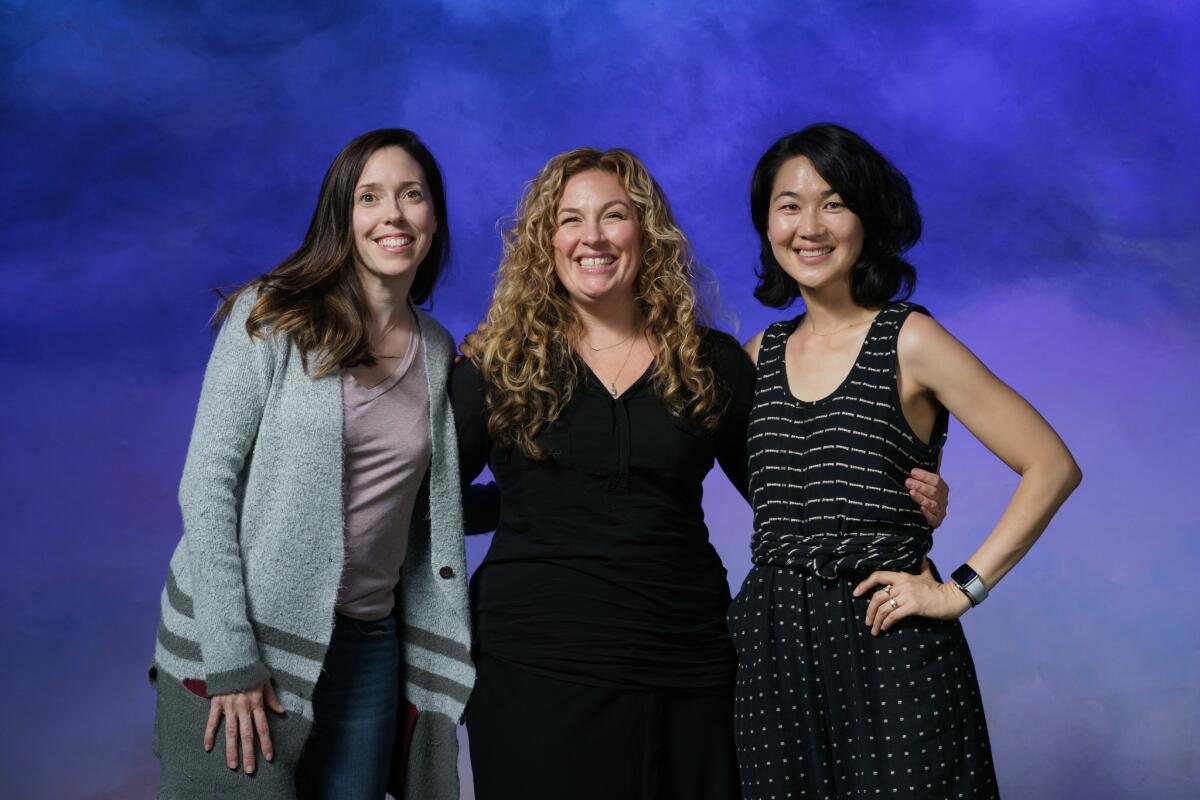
(969, 582)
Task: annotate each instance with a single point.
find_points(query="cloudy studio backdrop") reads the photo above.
(154, 150)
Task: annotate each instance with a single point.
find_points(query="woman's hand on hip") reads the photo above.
(904, 595)
(245, 713)
(930, 493)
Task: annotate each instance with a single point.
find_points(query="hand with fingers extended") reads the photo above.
(930, 493)
(245, 714)
(905, 595)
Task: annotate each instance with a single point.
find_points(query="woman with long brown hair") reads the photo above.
(318, 595)
(600, 400)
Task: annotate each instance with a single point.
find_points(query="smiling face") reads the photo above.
(815, 238)
(597, 240)
(393, 218)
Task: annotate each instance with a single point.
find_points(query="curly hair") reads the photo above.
(524, 348)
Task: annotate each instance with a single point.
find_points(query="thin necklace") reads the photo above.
(612, 386)
(611, 346)
(812, 329)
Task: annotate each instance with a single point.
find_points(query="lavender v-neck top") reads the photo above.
(387, 451)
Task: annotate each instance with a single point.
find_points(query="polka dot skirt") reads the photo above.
(825, 710)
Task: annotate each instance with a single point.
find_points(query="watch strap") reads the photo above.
(968, 580)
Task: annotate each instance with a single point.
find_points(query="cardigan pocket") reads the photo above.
(188, 772)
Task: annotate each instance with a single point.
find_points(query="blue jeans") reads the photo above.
(354, 709)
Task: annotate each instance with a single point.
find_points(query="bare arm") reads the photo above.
(1008, 426)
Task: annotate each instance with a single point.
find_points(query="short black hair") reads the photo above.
(871, 187)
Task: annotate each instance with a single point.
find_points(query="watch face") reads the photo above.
(963, 575)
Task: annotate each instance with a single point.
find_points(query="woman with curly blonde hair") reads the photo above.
(600, 402)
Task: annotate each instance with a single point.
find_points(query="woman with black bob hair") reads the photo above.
(315, 610)
(877, 192)
(854, 678)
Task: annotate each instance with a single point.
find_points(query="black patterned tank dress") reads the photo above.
(822, 708)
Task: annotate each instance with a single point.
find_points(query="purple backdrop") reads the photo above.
(151, 153)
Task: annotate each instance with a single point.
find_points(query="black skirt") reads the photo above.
(825, 710)
(536, 738)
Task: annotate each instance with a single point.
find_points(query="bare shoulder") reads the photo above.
(923, 337)
(752, 344)
(919, 328)
(933, 356)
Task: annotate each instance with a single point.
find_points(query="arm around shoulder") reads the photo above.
(736, 375)
(468, 398)
(481, 502)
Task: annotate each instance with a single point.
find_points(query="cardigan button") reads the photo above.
(446, 572)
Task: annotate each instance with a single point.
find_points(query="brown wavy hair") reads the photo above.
(314, 295)
(524, 346)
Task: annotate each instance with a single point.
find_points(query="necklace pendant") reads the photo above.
(612, 389)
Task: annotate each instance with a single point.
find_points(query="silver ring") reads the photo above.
(888, 589)
(893, 603)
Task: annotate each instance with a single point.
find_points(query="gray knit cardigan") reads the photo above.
(252, 584)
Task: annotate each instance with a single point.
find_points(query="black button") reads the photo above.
(446, 572)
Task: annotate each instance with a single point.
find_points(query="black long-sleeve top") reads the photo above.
(601, 571)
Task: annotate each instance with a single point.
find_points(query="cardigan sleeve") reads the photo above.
(232, 400)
